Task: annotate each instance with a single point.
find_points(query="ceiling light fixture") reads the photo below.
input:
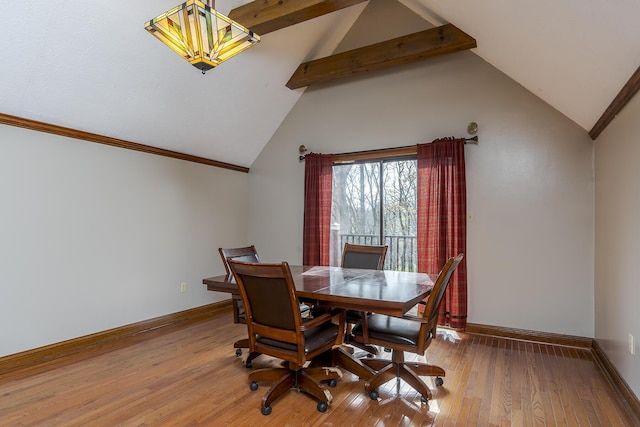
(200, 34)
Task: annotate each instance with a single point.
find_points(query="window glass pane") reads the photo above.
(355, 210)
(400, 220)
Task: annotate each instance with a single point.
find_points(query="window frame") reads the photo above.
(396, 153)
(378, 156)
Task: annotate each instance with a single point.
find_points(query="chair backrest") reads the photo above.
(364, 256)
(272, 309)
(269, 293)
(435, 297)
(247, 254)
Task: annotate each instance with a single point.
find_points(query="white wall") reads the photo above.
(94, 237)
(617, 272)
(530, 181)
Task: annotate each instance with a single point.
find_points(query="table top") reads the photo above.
(381, 291)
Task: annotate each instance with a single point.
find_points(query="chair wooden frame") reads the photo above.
(287, 341)
(245, 251)
(410, 372)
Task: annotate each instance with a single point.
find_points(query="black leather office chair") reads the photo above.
(246, 254)
(368, 257)
(408, 333)
(276, 328)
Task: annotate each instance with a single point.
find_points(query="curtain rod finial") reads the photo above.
(472, 128)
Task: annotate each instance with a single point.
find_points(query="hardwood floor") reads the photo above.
(188, 375)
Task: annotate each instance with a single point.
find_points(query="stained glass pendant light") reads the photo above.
(200, 34)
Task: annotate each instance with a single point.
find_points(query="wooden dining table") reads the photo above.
(379, 291)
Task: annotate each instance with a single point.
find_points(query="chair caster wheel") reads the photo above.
(333, 382)
(322, 406)
(423, 399)
(239, 352)
(253, 386)
(248, 365)
(266, 410)
(374, 395)
(439, 381)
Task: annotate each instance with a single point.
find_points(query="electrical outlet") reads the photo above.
(183, 287)
(632, 348)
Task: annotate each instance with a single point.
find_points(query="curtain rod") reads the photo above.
(408, 150)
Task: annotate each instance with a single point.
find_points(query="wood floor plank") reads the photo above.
(565, 391)
(536, 389)
(556, 414)
(188, 375)
(485, 392)
(506, 412)
(518, 380)
(569, 365)
(449, 409)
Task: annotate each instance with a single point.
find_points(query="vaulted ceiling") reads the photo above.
(91, 66)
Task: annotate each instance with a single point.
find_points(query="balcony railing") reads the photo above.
(402, 253)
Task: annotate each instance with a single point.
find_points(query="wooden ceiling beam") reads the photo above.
(401, 50)
(265, 16)
(622, 98)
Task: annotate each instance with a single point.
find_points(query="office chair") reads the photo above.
(408, 333)
(277, 328)
(249, 254)
(368, 257)
(246, 254)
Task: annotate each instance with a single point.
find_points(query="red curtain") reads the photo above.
(318, 170)
(442, 221)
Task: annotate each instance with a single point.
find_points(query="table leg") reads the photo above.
(343, 359)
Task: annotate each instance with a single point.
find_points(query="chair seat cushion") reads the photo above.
(313, 339)
(390, 329)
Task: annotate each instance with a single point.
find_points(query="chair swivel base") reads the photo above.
(410, 372)
(305, 380)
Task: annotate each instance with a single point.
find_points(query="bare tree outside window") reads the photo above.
(374, 203)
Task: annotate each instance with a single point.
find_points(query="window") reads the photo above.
(374, 203)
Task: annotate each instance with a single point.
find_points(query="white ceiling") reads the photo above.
(92, 66)
(574, 54)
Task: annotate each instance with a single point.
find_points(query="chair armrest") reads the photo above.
(410, 317)
(323, 318)
(414, 318)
